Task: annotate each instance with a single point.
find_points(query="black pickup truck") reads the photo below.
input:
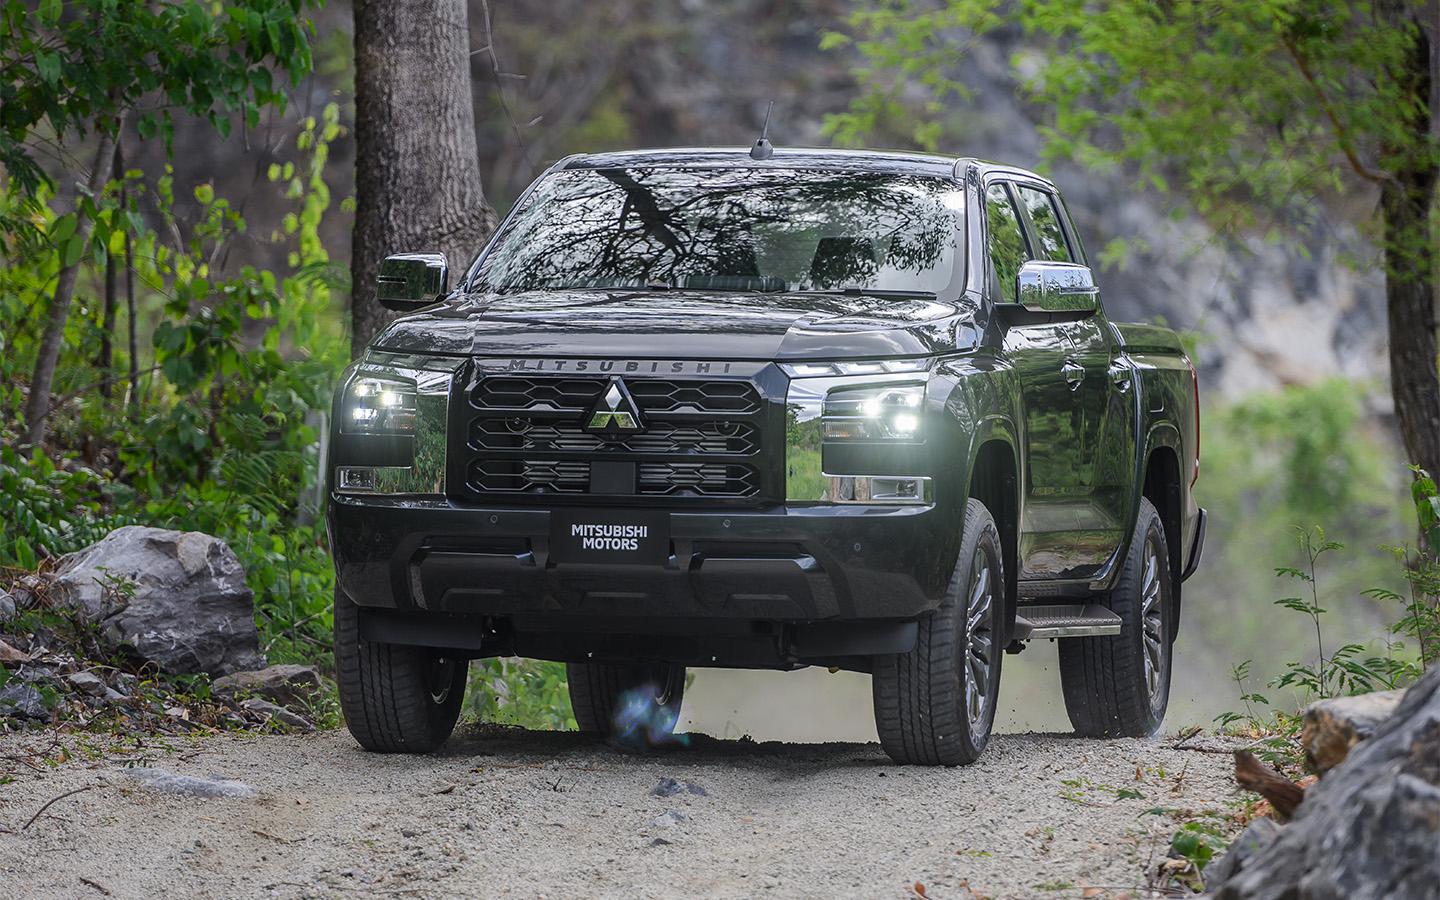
(763, 410)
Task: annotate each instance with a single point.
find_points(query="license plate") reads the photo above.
(629, 537)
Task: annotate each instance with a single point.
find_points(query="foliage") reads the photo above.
(1351, 668)
(1243, 107)
(217, 436)
(522, 692)
(81, 64)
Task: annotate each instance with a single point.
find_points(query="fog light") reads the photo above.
(896, 489)
(356, 479)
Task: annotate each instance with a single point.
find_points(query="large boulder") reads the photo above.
(175, 598)
(1370, 828)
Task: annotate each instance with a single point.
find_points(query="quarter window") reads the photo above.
(1048, 232)
(1006, 240)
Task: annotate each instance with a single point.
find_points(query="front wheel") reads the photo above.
(396, 699)
(1119, 686)
(936, 704)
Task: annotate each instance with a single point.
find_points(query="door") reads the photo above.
(1044, 359)
(1100, 484)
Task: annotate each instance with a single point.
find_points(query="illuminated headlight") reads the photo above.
(379, 406)
(873, 413)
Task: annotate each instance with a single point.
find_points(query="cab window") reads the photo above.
(1049, 234)
(1006, 241)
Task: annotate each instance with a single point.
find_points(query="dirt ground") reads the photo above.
(510, 813)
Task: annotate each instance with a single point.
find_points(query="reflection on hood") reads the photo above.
(684, 324)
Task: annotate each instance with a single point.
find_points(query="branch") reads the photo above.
(1372, 175)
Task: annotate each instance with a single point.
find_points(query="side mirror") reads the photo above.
(1057, 287)
(409, 281)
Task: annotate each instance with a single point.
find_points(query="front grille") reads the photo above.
(523, 435)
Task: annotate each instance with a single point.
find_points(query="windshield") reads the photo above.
(730, 230)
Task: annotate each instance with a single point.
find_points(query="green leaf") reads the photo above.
(48, 65)
(74, 249)
(62, 228)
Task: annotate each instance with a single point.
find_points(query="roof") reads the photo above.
(896, 161)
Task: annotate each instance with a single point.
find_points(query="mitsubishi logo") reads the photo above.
(616, 413)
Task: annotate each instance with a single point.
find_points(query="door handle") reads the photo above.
(1120, 377)
(1074, 373)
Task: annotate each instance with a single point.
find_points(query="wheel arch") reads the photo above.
(995, 481)
(1161, 484)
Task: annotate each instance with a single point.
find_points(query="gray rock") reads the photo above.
(177, 599)
(190, 786)
(287, 684)
(669, 819)
(21, 700)
(1253, 841)
(11, 655)
(1333, 727)
(1371, 828)
(667, 787)
(278, 713)
(7, 606)
(87, 683)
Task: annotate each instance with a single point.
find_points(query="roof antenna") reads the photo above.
(762, 148)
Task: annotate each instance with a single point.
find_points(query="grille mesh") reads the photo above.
(525, 436)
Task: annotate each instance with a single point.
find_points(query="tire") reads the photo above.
(930, 705)
(396, 699)
(1119, 686)
(633, 704)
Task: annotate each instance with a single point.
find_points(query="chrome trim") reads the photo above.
(861, 489)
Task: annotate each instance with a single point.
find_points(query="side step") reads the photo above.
(1067, 620)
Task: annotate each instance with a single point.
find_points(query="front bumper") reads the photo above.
(796, 563)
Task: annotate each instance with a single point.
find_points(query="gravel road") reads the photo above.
(509, 813)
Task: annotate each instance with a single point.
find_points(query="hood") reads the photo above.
(684, 325)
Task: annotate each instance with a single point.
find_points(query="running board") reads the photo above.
(1069, 620)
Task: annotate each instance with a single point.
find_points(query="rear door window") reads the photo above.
(1049, 234)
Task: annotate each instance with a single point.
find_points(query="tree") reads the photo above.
(68, 70)
(1260, 113)
(417, 171)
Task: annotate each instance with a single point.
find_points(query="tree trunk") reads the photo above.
(106, 358)
(37, 407)
(417, 170)
(1407, 202)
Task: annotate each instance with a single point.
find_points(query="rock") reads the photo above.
(696, 789)
(21, 700)
(278, 713)
(87, 683)
(287, 685)
(190, 786)
(177, 599)
(9, 654)
(7, 606)
(1257, 836)
(668, 787)
(1333, 727)
(669, 819)
(1371, 828)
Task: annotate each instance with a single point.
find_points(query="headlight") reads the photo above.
(393, 426)
(379, 406)
(879, 413)
(844, 430)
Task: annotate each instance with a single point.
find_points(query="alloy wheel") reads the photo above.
(979, 641)
(1152, 623)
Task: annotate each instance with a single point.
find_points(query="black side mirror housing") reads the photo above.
(410, 281)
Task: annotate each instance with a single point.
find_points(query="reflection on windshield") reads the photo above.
(730, 230)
